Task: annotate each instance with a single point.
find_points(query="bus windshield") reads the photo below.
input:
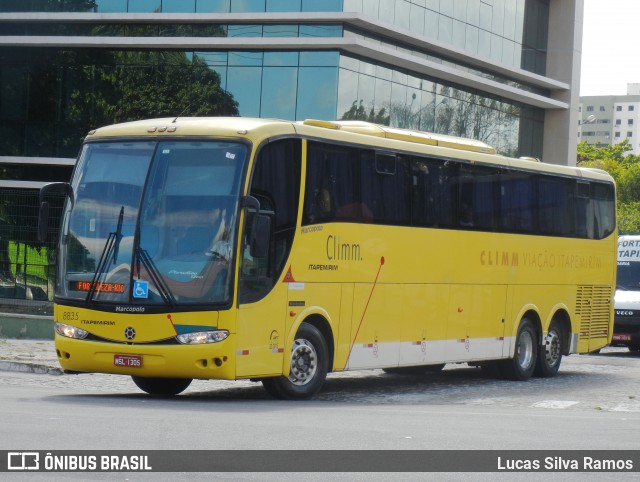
(628, 276)
(152, 223)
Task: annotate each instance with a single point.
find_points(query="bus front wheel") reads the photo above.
(550, 354)
(521, 366)
(308, 366)
(162, 386)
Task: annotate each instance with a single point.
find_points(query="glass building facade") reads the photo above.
(500, 71)
(375, 60)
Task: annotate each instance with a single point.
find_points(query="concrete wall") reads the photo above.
(30, 327)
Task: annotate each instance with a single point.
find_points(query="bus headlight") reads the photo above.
(201, 337)
(70, 331)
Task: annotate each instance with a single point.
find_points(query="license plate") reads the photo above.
(621, 337)
(128, 361)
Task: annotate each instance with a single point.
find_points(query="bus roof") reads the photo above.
(375, 136)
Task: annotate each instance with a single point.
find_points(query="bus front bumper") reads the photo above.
(205, 361)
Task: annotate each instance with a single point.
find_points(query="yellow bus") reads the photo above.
(237, 248)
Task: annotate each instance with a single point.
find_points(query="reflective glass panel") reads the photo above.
(322, 6)
(144, 6)
(281, 30)
(319, 58)
(244, 30)
(281, 59)
(320, 31)
(245, 83)
(283, 5)
(247, 5)
(317, 93)
(178, 6)
(105, 6)
(279, 87)
(215, 6)
(245, 58)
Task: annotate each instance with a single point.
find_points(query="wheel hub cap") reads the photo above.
(304, 362)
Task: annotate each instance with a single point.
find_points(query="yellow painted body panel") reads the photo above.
(262, 335)
(449, 285)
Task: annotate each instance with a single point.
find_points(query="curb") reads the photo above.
(29, 368)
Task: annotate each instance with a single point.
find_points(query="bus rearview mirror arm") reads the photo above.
(260, 227)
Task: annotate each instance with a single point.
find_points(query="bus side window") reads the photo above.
(332, 185)
(584, 210)
(517, 202)
(604, 210)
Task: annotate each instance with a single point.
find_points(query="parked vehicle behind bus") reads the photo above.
(233, 248)
(626, 326)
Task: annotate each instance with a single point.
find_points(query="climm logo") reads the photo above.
(338, 250)
(498, 258)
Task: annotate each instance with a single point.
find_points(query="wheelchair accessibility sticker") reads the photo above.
(140, 289)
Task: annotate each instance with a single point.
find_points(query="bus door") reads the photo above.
(261, 333)
(262, 296)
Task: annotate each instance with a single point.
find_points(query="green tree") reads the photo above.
(625, 170)
(159, 84)
(89, 88)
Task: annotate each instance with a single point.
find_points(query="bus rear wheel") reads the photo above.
(162, 386)
(521, 366)
(550, 354)
(308, 366)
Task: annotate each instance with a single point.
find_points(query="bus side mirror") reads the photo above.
(261, 236)
(43, 221)
(43, 214)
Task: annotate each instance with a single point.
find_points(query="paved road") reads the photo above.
(593, 404)
(605, 383)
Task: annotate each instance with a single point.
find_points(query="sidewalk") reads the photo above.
(30, 356)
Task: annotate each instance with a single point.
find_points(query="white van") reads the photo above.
(626, 327)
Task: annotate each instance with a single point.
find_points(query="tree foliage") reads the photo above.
(358, 112)
(89, 88)
(625, 170)
(451, 111)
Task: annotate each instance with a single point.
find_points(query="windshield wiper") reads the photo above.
(154, 274)
(156, 278)
(109, 251)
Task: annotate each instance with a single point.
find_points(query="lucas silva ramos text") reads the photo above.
(562, 464)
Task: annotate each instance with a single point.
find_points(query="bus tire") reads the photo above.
(162, 386)
(550, 353)
(521, 366)
(309, 362)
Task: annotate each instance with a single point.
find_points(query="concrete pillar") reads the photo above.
(564, 59)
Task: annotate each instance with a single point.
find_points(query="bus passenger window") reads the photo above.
(466, 216)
